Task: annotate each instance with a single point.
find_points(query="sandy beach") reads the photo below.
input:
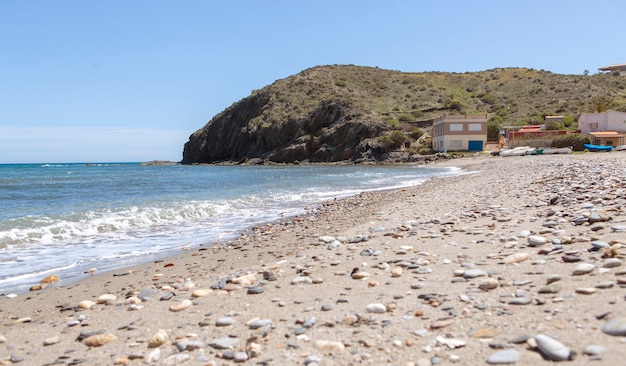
(520, 261)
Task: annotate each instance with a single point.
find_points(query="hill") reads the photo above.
(357, 113)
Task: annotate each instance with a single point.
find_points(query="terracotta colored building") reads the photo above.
(460, 132)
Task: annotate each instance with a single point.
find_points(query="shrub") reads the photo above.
(417, 113)
(555, 126)
(493, 127)
(405, 118)
(568, 120)
(398, 138)
(425, 151)
(576, 140)
(392, 122)
(416, 133)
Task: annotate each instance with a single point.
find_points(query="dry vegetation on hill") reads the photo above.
(358, 113)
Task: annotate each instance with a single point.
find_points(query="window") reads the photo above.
(474, 127)
(593, 126)
(456, 127)
(456, 143)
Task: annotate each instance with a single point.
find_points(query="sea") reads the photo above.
(67, 219)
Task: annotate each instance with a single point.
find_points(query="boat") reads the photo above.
(592, 147)
(557, 150)
(620, 147)
(517, 151)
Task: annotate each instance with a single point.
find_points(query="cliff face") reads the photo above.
(356, 113)
(330, 133)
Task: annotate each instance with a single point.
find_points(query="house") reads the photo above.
(460, 132)
(606, 121)
(611, 68)
(612, 138)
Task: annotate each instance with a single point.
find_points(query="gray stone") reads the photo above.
(240, 357)
(473, 273)
(258, 323)
(224, 321)
(536, 240)
(146, 294)
(376, 308)
(618, 228)
(612, 263)
(552, 288)
(615, 327)
(594, 350)
(503, 357)
(552, 349)
(583, 268)
(255, 290)
(521, 301)
(224, 342)
(598, 244)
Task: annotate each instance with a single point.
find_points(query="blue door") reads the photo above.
(475, 145)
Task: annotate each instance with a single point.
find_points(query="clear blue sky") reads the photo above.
(95, 81)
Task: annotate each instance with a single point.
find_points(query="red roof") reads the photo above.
(530, 129)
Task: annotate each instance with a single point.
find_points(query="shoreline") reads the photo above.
(304, 270)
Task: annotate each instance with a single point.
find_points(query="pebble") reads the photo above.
(441, 323)
(474, 273)
(618, 228)
(201, 292)
(258, 323)
(359, 275)
(240, 357)
(106, 298)
(552, 349)
(506, 356)
(146, 294)
(158, 339)
(615, 327)
(488, 284)
(484, 333)
(301, 280)
(586, 290)
(181, 306)
(329, 346)
(552, 288)
(612, 263)
(451, 343)
(255, 290)
(520, 301)
(553, 278)
(99, 340)
(594, 350)
(583, 268)
(223, 343)
(187, 345)
(224, 321)
(536, 240)
(86, 304)
(516, 258)
(50, 341)
(376, 308)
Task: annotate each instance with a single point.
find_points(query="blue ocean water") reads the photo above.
(68, 218)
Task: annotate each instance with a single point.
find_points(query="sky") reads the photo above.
(130, 81)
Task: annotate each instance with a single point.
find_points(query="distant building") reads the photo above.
(611, 68)
(460, 132)
(612, 138)
(606, 121)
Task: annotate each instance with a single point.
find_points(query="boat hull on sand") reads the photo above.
(594, 148)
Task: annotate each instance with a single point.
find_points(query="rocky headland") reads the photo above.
(357, 114)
